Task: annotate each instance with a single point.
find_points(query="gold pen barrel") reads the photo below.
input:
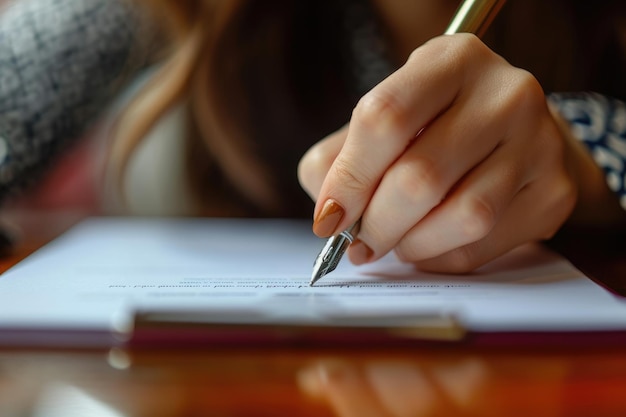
(474, 16)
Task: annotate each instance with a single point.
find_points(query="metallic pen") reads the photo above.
(472, 16)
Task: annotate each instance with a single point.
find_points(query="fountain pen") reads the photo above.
(472, 16)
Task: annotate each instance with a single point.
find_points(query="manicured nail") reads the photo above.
(328, 218)
(360, 253)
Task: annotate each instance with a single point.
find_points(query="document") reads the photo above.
(99, 275)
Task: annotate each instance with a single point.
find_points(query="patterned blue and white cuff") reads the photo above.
(600, 123)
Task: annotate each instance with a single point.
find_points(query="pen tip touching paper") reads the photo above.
(320, 267)
(332, 252)
(330, 255)
(317, 274)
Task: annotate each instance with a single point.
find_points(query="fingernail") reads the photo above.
(360, 253)
(328, 218)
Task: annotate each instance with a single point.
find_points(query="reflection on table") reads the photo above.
(426, 382)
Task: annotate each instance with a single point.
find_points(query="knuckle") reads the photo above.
(468, 45)
(380, 110)
(466, 48)
(454, 52)
(428, 51)
(476, 218)
(526, 92)
(419, 180)
(350, 177)
(415, 55)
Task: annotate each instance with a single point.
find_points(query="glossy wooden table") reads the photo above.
(420, 381)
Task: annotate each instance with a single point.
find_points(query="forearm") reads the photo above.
(60, 63)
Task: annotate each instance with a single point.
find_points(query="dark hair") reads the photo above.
(264, 80)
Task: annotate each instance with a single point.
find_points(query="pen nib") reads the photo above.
(331, 253)
(328, 258)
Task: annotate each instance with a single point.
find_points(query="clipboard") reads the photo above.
(213, 329)
(209, 330)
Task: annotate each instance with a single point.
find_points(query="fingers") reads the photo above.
(316, 162)
(383, 124)
(422, 177)
(523, 192)
(471, 211)
(545, 202)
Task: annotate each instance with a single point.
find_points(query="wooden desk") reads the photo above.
(426, 381)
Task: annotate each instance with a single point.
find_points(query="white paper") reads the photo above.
(99, 273)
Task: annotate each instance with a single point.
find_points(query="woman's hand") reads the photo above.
(451, 161)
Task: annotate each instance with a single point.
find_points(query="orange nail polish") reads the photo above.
(328, 218)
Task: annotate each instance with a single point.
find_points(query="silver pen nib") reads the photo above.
(332, 252)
